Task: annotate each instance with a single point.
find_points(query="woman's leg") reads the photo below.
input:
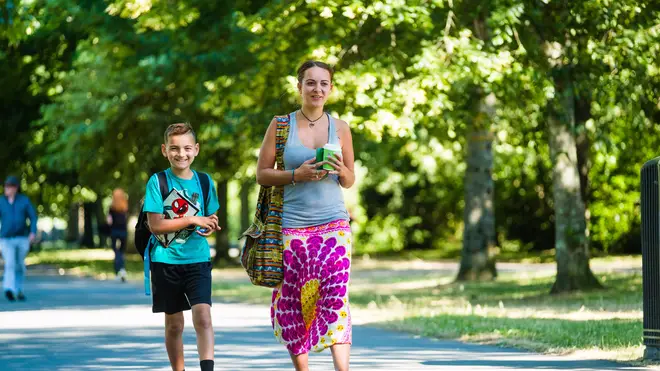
(122, 251)
(115, 249)
(300, 361)
(341, 354)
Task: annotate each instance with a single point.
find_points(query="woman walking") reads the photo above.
(310, 309)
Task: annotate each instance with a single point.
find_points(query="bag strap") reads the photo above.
(205, 183)
(162, 184)
(281, 136)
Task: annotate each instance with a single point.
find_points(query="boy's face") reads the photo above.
(180, 150)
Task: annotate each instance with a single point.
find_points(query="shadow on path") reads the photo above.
(71, 323)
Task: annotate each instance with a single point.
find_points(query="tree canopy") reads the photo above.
(94, 83)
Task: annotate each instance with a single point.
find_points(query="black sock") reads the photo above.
(207, 365)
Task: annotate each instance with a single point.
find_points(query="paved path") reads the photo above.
(81, 324)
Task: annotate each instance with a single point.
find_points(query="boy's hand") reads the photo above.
(208, 225)
(205, 222)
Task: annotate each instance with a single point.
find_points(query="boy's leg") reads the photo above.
(22, 249)
(9, 256)
(174, 340)
(204, 328)
(198, 290)
(168, 297)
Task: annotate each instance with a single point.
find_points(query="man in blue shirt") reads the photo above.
(15, 236)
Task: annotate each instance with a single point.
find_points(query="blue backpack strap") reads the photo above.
(205, 184)
(162, 184)
(147, 266)
(164, 191)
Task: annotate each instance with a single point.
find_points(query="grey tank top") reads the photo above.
(308, 204)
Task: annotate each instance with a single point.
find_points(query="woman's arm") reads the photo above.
(268, 176)
(345, 165)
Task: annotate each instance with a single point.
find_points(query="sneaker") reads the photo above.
(10, 295)
(122, 274)
(20, 296)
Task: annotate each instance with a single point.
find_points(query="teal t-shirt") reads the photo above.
(195, 248)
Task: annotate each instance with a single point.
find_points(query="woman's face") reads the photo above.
(315, 87)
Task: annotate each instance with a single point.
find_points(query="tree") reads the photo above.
(568, 45)
(571, 243)
(477, 257)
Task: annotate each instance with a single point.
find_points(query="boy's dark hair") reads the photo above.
(309, 64)
(179, 129)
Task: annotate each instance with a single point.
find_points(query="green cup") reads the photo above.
(319, 154)
(328, 151)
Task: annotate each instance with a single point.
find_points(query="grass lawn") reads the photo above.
(421, 297)
(97, 263)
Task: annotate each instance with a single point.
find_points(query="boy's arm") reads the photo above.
(159, 225)
(153, 206)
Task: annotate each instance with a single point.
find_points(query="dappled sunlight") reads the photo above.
(386, 288)
(70, 255)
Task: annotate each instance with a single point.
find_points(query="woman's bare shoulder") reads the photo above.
(341, 124)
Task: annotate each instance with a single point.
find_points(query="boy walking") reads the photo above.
(181, 272)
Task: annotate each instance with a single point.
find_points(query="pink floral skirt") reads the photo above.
(310, 309)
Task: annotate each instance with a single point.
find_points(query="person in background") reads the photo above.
(15, 236)
(117, 220)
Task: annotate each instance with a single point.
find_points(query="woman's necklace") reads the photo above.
(311, 122)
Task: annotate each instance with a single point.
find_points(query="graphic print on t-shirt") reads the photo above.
(176, 205)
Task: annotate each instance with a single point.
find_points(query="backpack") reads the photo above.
(142, 231)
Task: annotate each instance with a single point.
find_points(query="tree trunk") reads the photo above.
(101, 223)
(583, 145)
(477, 261)
(221, 238)
(571, 242)
(88, 232)
(73, 224)
(246, 208)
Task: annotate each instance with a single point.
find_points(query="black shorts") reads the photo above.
(177, 287)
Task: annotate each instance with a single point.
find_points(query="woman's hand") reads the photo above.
(309, 172)
(337, 163)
